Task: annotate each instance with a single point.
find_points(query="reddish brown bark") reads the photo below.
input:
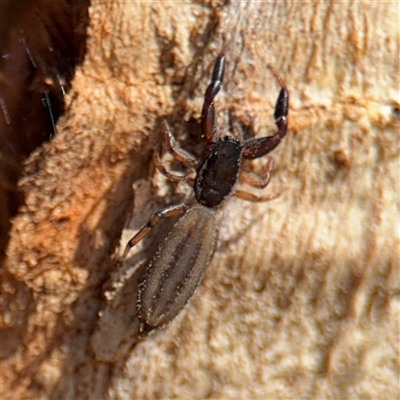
(300, 298)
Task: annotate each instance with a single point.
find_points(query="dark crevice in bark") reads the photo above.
(41, 43)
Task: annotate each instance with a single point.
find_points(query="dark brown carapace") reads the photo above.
(172, 276)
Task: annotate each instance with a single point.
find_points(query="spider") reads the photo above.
(176, 269)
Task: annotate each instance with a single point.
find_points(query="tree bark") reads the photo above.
(301, 297)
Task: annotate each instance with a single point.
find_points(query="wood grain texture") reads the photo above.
(301, 299)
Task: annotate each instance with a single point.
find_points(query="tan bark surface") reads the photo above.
(301, 299)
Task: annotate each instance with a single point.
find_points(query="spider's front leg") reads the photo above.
(208, 121)
(255, 148)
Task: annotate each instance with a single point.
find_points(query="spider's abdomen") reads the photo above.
(177, 268)
(218, 172)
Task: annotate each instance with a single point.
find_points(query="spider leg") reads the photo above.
(256, 181)
(255, 148)
(179, 154)
(172, 211)
(259, 182)
(208, 121)
(173, 176)
(252, 197)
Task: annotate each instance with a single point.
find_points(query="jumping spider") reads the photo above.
(176, 269)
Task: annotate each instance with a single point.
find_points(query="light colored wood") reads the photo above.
(301, 299)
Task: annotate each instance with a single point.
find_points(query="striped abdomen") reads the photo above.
(173, 275)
